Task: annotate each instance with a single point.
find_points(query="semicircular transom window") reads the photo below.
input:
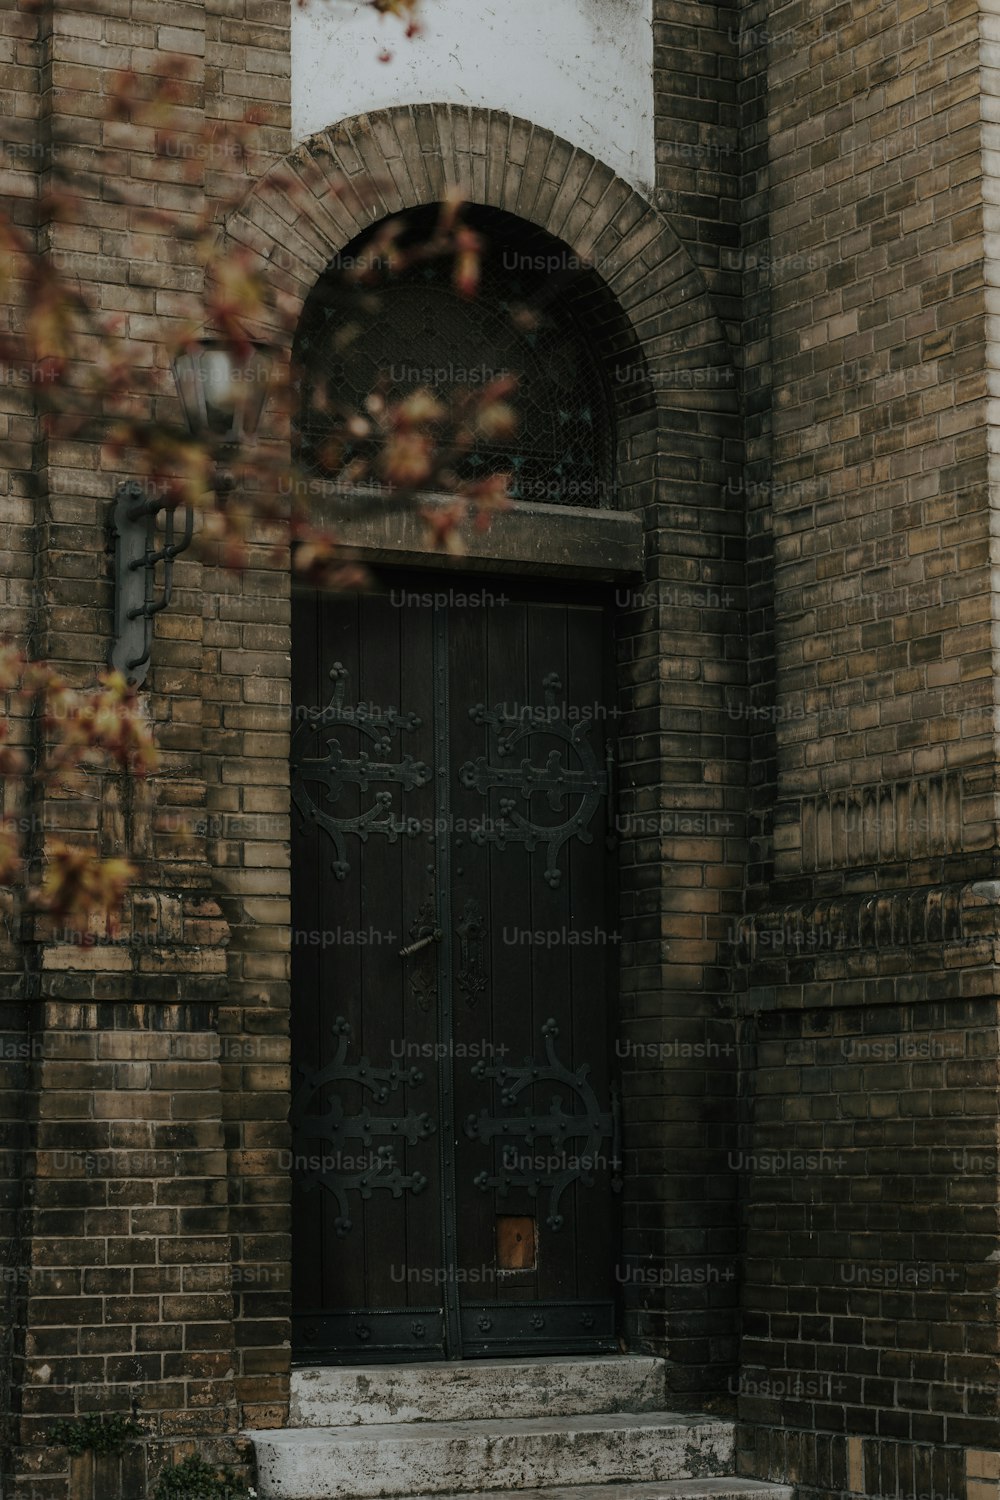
(527, 320)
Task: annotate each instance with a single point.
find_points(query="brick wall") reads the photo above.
(696, 67)
(869, 1065)
(23, 144)
(123, 1293)
(826, 517)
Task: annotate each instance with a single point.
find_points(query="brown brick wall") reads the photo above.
(128, 1303)
(24, 148)
(697, 125)
(818, 530)
(870, 1055)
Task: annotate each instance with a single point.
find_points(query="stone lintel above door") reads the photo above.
(558, 541)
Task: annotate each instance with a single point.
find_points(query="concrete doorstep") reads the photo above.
(554, 1429)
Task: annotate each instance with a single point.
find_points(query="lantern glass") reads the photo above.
(221, 394)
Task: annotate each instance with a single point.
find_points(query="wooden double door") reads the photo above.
(455, 1129)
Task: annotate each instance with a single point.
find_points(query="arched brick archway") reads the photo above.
(679, 655)
(312, 203)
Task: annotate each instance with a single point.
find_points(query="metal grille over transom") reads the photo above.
(528, 319)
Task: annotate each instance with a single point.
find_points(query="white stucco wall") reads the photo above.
(583, 68)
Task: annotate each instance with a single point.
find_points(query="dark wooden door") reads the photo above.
(455, 1123)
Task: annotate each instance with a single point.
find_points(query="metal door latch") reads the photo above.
(424, 942)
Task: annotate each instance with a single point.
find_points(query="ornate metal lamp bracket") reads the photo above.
(133, 535)
(589, 781)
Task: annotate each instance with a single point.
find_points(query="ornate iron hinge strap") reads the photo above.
(334, 770)
(333, 1127)
(592, 1128)
(589, 782)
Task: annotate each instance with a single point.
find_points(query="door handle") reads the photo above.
(424, 942)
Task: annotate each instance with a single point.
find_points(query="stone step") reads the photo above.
(721, 1487)
(472, 1390)
(519, 1453)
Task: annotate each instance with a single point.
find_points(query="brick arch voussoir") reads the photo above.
(318, 198)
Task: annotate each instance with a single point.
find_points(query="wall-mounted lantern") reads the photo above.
(222, 397)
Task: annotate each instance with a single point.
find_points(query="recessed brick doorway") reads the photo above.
(455, 1107)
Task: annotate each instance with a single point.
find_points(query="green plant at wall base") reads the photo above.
(194, 1479)
(95, 1433)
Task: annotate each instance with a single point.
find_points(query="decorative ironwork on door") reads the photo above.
(560, 1168)
(470, 977)
(318, 1114)
(334, 770)
(430, 956)
(588, 780)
